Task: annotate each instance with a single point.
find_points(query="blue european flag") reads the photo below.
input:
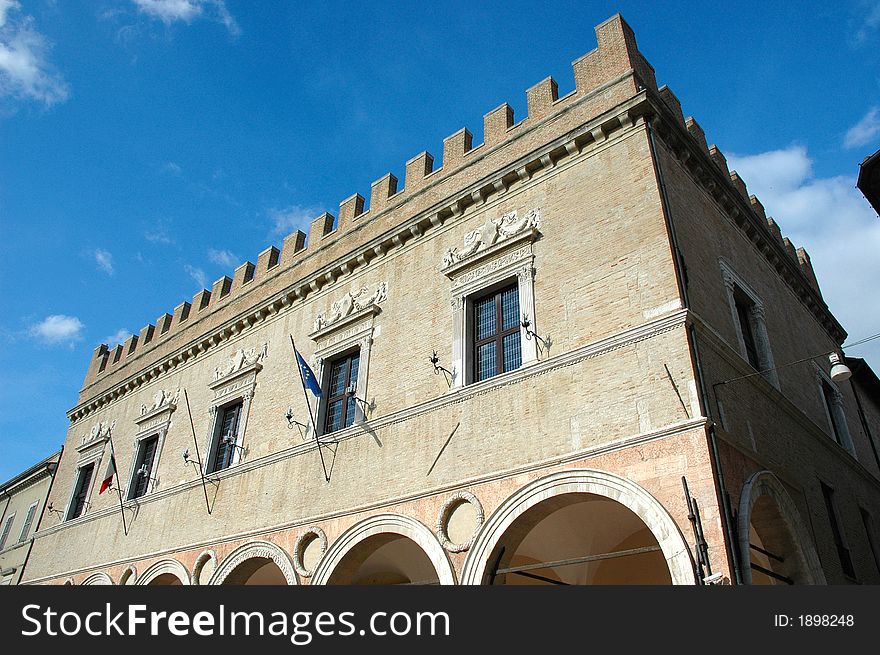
(308, 376)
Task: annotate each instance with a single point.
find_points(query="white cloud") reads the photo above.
(223, 258)
(58, 329)
(171, 11)
(24, 69)
(172, 168)
(104, 260)
(836, 225)
(198, 275)
(869, 22)
(289, 219)
(119, 337)
(864, 131)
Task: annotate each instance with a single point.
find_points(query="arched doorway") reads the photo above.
(166, 572)
(775, 547)
(385, 549)
(578, 539)
(579, 527)
(165, 580)
(256, 563)
(385, 559)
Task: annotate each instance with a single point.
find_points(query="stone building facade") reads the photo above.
(24, 502)
(600, 292)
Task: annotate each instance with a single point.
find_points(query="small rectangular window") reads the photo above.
(868, 522)
(744, 309)
(81, 493)
(28, 521)
(341, 384)
(227, 437)
(143, 469)
(830, 405)
(496, 333)
(7, 526)
(842, 549)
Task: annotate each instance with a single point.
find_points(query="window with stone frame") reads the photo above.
(836, 529)
(492, 292)
(494, 332)
(222, 453)
(7, 528)
(28, 522)
(747, 310)
(82, 491)
(144, 464)
(835, 415)
(340, 390)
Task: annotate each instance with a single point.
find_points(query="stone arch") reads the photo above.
(206, 559)
(97, 579)
(165, 567)
(583, 481)
(255, 550)
(765, 485)
(128, 577)
(381, 524)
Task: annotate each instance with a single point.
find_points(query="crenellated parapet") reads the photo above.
(709, 166)
(615, 88)
(613, 72)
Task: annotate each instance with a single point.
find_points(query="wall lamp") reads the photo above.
(291, 421)
(50, 507)
(351, 392)
(447, 374)
(546, 342)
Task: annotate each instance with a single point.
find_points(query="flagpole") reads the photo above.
(116, 473)
(198, 454)
(309, 405)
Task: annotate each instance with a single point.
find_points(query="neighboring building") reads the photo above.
(869, 180)
(23, 498)
(601, 293)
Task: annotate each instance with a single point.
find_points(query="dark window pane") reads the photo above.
(486, 361)
(484, 316)
(227, 437)
(82, 490)
(353, 374)
(334, 415)
(349, 411)
(337, 377)
(743, 313)
(144, 466)
(340, 403)
(510, 309)
(828, 394)
(842, 550)
(512, 352)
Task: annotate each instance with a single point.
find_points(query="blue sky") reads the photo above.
(147, 147)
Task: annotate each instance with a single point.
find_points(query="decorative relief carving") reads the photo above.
(299, 549)
(351, 303)
(496, 264)
(455, 501)
(99, 432)
(161, 399)
(493, 231)
(240, 359)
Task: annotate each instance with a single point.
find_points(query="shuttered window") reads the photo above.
(226, 437)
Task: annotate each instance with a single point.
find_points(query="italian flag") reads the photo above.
(108, 474)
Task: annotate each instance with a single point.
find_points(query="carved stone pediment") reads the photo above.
(98, 435)
(494, 235)
(163, 401)
(350, 307)
(240, 361)
(354, 322)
